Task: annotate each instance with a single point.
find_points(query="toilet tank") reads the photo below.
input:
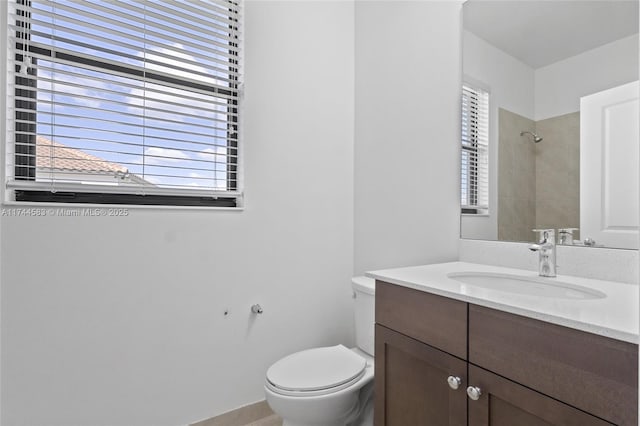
(364, 289)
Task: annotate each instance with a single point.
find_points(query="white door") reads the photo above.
(609, 157)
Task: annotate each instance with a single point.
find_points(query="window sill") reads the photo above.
(54, 208)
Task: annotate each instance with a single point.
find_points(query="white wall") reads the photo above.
(559, 86)
(119, 321)
(3, 131)
(406, 132)
(511, 86)
(510, 80)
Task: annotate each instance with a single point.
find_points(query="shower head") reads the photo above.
(536, 138)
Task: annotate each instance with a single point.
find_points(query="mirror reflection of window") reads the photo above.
(474, 175)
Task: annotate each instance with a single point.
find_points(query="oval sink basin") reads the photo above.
(529, 286)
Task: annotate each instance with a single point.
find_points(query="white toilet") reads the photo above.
(329, 386)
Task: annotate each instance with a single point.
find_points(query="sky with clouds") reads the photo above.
(168, 135)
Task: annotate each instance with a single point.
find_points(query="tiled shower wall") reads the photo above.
(558, 172)
(538, 184)
(516, 178)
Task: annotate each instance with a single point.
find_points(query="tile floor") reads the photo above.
(272, 420)
(257, 414)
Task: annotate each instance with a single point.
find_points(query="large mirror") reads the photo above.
(538, 62)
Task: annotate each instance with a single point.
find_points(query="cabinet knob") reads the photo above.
(474, 392)
(454, 382)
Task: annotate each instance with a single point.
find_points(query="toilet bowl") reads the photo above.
(313, 396)
(329, 386)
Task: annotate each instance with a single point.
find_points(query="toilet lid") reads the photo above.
(316, 369)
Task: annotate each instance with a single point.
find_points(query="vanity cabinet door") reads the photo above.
(411, 385)
(506, 403)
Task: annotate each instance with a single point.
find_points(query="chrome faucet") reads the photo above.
(546, 249)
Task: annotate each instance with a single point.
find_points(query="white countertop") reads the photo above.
(615, 315)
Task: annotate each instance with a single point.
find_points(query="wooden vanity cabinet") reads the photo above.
(529, 372)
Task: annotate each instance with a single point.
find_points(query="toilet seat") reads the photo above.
(317, 371)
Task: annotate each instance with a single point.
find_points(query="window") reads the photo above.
(128, 102)
(474, 178)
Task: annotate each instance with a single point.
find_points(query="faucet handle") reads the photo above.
(546, 235)
(565, 235)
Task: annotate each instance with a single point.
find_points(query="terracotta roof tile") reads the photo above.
(53, 155)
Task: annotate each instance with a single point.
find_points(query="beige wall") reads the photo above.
(558, 172)
(516, 178)
(539, 184)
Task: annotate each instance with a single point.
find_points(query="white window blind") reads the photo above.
(474, 177)
(134, 97)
